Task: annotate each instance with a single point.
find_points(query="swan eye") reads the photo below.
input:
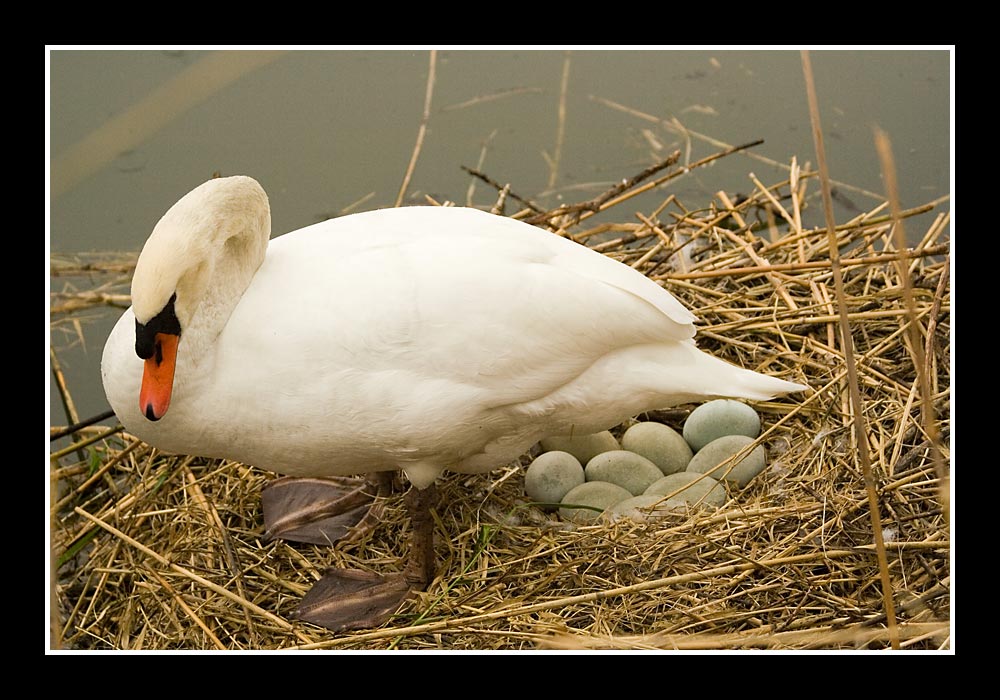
(145, 333)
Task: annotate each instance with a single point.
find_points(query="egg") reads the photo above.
(583, 447)
(715, 419)
(551, 476)
(689, 488)
(721, 449)
(598, 494)
(660, 444)
(626, 469)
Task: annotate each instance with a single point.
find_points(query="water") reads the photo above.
(327, 131)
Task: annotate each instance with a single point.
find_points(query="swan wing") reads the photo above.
(455, 296)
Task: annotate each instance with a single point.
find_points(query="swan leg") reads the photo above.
(346, 599)
(420, 563)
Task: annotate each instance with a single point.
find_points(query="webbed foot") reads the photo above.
(320, 510)
(346, 599)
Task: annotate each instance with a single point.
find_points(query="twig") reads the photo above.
(560, 124)
(499, 188)
(424, 119)
(916, 344)
(814, 265)
(499, 95)
(592, 206)
(70, 429)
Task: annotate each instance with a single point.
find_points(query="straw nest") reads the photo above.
(165, 552)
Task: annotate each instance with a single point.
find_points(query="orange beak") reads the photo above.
(158, 377)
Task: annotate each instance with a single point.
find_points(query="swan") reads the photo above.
(419, 339)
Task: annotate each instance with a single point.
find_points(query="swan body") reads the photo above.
(419, 338)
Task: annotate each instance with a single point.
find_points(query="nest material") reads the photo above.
(165, 552)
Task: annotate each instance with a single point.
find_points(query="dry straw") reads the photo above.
(153, 551)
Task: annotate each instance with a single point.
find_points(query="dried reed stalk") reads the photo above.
(847, 340)
(422, 130)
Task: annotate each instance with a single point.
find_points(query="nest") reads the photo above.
(837, 545)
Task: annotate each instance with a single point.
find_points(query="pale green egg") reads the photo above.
(583, 447)
(597, 494)
(551, 476)
(715, 419)
(690, 488)
(707, 460)
(626, 469)
(660, 444)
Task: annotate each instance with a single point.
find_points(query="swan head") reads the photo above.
(210, 242)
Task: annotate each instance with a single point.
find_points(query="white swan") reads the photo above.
(420, 339)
